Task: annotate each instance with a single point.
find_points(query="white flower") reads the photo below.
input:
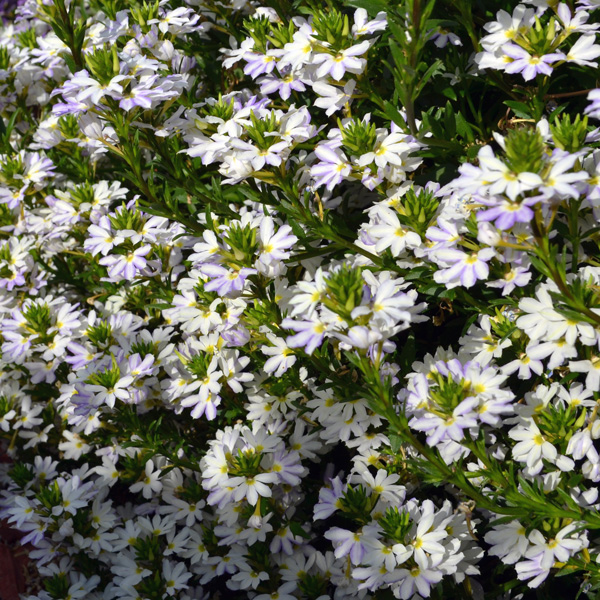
(388, 232)
(509, 541)
(333, 98)
(584, 51)
(282, 357)
(150, 483)
(532, 447)
(175, 576)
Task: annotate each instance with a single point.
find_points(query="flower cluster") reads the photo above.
(301, 302)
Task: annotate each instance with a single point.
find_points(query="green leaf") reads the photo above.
(434, 69)
(296, 529)
(395, 442)
(463, 128)
(394, 114)
(371, 6)
(520, 109)
(449, 93)
(449, 121)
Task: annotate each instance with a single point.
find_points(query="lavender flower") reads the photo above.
(126, 266)
(529, 66)
(226, 282)
(465, 268)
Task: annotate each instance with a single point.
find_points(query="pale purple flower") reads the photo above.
(593, 110)
(532, 569)
(347, 543)
(452, 427)
(12, 198)
(362, 26)
(418, 580)
(310, 333)
(258, 64)
(236, 336)
(101, 239)
(204, 404)
(495, 177)
(445, 234)
(89, 88)
(258, 157)
(71, 106)
(333, 98)
(560, 183)
(441, 37)
(336, 65)
(529, 66)
(516, 277)
(15, 279)
(466, 268)
(506, 213)
(359, 336)
(15, 345)
(145, 94)
(333, 168)
(284, 85)
(225, 281)
(127, 265)
(108, 396)
(584, 51)
(329, 497)
(274, 246)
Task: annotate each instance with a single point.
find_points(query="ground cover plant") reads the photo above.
(301, 300)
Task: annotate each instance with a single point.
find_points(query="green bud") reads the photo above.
(259, 129)
(107, 378)
(395, 524)
(111, 7)
(103, 63)
(147, 548)
(4, 58)
(358, 137)
(346, 28)
(539, 39)
(332, 27)
(38, 320)
(312, 586)
(244, 246)
(21, 474)
(144, 13)
(127, 218)
(417, 209)
(245, 464)
(446, 394)
(524, 150)
(49, 496)
(259, 29)
(7, 216)
(198, 364)
(281, 34)
(27, 39)
(355, 503)
(57, 586)
(501, 325)
(11, 166)
(569, 135)
(344, 291)
(100, 334)
(69, 127)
